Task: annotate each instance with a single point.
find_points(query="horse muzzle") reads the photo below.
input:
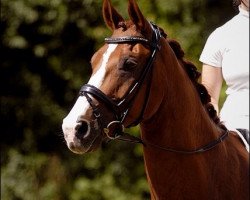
(81, 129)
(83, 137)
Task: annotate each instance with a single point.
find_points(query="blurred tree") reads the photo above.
(46, 47)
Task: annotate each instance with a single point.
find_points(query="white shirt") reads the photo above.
(228, 47)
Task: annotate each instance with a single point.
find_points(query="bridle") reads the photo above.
(121, 109)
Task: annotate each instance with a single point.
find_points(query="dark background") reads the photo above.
(45, 51)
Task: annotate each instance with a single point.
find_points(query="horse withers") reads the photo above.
(140, 76)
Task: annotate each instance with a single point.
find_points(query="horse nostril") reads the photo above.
(82, 128)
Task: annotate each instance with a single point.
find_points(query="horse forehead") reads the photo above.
(100, 71)
(110, 53)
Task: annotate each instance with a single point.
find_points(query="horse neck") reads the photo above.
(180, 121)
(174, 118)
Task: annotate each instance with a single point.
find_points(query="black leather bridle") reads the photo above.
(121, 109)
(115, 128)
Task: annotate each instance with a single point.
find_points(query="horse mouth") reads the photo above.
(79, 147)
(81, 141)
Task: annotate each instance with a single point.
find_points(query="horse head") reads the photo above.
(115, 95)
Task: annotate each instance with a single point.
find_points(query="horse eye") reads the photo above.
(129, 65)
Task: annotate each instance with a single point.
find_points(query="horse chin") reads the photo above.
(85, 145)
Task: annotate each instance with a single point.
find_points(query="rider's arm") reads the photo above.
(212, 79)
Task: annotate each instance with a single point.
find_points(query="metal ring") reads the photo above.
(106, 130)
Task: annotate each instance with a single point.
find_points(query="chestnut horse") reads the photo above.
(140, 76)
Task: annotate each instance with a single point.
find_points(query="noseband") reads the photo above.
(121, 109)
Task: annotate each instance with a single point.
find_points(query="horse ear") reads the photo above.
(110, 15)
(137, 17)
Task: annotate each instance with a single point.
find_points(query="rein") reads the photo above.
(121, 109)
(202, 149)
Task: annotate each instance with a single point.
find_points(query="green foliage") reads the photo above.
(101, 175)
(31, 177)
(46, 47)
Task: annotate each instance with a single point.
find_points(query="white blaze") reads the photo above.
(98, 77)
(82, 105)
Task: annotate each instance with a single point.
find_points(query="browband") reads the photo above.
(116, 40)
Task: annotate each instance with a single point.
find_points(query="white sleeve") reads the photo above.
(212, 54)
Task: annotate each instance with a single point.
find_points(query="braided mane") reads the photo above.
(194, 75)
